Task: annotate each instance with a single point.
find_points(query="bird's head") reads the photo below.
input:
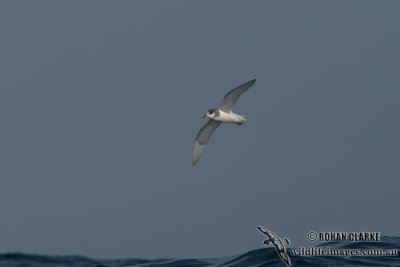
(211, 113)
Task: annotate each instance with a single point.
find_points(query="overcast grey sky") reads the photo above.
(100, 102)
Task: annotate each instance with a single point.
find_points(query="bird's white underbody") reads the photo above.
(227, 117)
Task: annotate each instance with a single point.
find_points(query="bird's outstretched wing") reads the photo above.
(202, 139)
(233, 95)
(265, 231)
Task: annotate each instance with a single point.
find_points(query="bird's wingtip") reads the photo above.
(251, 82)
(197, 151)
(195, 159)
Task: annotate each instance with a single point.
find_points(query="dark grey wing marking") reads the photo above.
(233, 95)
(202, 139)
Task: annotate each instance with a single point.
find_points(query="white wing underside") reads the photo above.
(202, 139)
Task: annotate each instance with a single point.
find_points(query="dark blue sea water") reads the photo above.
(260, 257)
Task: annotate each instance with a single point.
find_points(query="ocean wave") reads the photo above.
(263, 257)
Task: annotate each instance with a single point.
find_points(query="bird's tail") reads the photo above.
(242, 119)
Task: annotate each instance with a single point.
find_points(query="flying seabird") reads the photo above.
(222, 114)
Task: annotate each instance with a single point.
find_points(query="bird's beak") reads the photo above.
(203, 115)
